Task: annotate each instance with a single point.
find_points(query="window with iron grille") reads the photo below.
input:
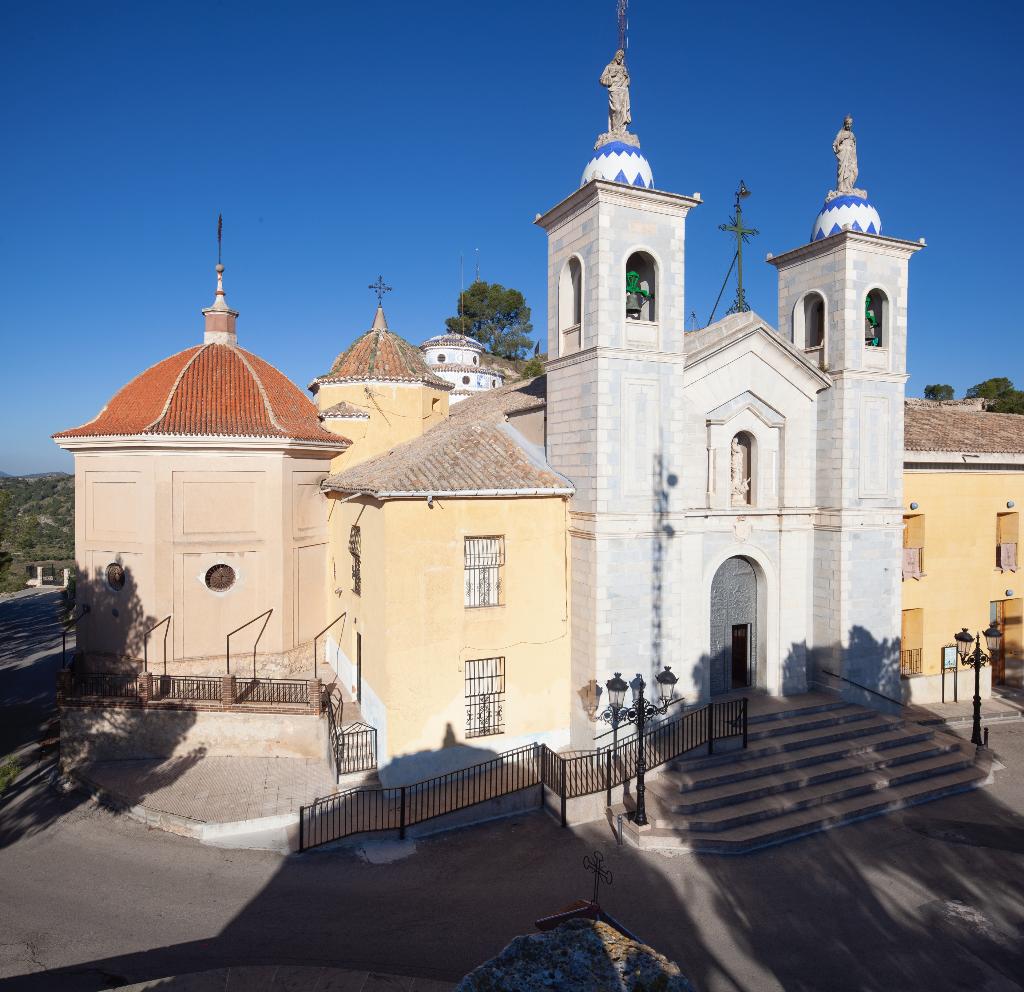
(485, 697)
(485, 558)
(355, 548)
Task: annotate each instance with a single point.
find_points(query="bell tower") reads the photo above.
(843, 301)
(616, 356)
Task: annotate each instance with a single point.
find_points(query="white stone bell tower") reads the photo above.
(615, 364)
(843, 300)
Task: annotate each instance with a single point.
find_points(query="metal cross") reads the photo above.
(380, 289)
(595, 863)
(743, 235)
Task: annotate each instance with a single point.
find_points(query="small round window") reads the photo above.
(465, 380)
(220, 577)
(115, 575)
(475, 360)
(440, 359)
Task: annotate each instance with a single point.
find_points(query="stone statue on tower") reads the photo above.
(845, 148)
(615, 79)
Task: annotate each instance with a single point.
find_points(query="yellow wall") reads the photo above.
(960, 576)
(417, 632)
(397, 413)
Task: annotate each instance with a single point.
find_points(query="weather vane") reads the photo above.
(595, 863)
(380, 289)
(220, 234)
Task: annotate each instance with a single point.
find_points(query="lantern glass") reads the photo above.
(964, 643)
(666, 684)
(616, 691)
(992, 638)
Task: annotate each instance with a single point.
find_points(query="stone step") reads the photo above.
(799, 723)
(827, 793)
(798, 823)
(785, 714)
(771, 782)
(792, 749)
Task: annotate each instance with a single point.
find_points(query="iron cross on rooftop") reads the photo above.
(595, 863)
(380, 289)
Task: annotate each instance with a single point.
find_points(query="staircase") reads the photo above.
(812, 763)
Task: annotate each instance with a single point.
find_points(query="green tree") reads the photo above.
(26, 532)
(533, 368)
(497, 317)
(938, 392)
(1002, 394)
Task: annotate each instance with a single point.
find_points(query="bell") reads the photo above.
(634, 304)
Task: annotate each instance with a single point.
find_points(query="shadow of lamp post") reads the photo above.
(641, 710)
(969, 650)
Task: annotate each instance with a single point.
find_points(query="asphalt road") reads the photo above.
(932, 898)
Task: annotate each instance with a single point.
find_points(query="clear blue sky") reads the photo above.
(343, 140)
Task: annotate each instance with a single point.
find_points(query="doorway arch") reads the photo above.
(737, 600)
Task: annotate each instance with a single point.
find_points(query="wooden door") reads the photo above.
(997, 614)
(359, 667)
(740, 655)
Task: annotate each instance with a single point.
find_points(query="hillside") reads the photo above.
(37, 522)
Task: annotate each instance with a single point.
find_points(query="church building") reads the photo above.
(479, 559)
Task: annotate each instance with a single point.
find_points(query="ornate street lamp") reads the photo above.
(638, 713)
(968, 649)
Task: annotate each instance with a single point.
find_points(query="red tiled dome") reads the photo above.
(380, 354)
(210, 390)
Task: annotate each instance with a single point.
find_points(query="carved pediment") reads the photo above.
(746, 401)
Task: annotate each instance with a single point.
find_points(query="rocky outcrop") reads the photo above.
(578, 956)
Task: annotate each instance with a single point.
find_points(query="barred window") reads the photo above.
(485, 557)
(355, 548)
(485, 697)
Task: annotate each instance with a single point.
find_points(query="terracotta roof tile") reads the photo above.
(344, 410)
(379, 354)
(949, 428)
(472, 450)
(209, 390)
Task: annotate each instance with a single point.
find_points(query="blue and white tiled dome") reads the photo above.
(619, 163)
(855, 212)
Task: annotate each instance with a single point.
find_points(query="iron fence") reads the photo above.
(271, 692)
(567, 776)
(356, 749)
(199, 688)
(104, 685)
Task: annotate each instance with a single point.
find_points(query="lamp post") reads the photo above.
(968, 649)
(638, 713)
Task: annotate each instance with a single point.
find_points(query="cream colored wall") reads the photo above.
(960, 576)
(168, 516)
(417, 633)
(397, 413)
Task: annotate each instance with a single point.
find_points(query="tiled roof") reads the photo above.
(209, 390)
(344, 411)
(472, 450)
(937, 427)
(381, 355)
(453, 341)
(497, 404)
(455, 367)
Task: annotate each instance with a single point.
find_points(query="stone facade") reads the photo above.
(641, 417)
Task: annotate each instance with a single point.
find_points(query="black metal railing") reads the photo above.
(568, 776)
(70, 624)
(357, 749)
(321, 634)
(104, 685)
(166, 623)
(271, 692)
(910, 662)
(197, 688)
(265, 617)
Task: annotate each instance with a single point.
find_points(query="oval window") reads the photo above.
(115, 575)
(465, 380)
(440, 359)
(220, 577)
(475, 360)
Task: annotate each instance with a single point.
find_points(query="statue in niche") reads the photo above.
(845, 148)
(615, 79)
(740, 485)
